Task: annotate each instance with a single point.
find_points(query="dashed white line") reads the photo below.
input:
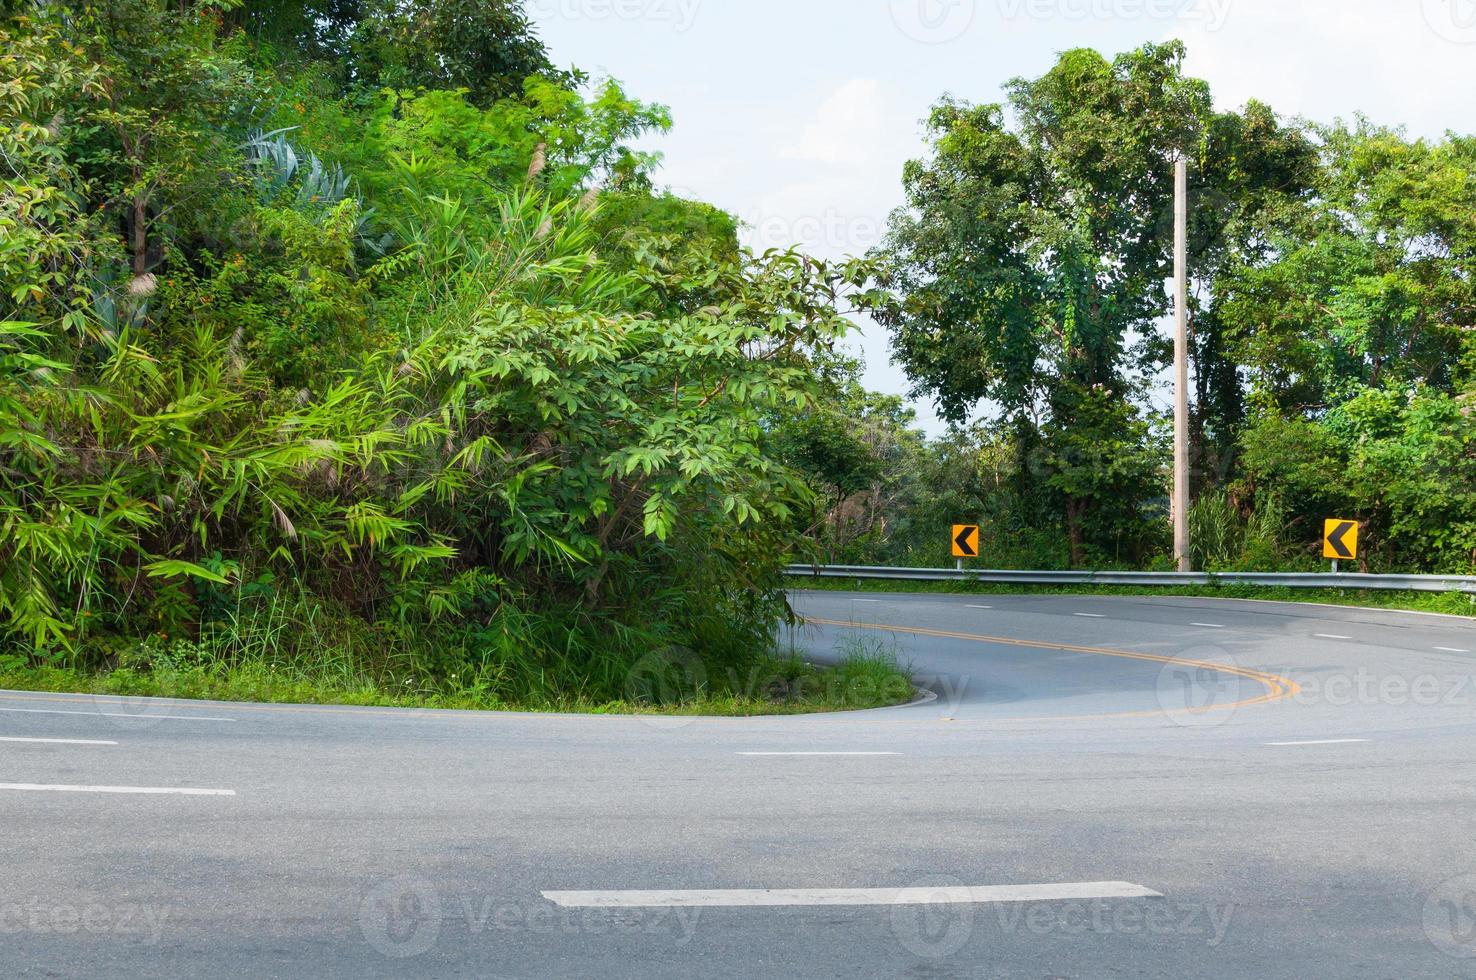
(1323, 741)
(1090, 615)
(817, 753)
(866, 600)
(145, 790)
(114, 714)
(981, 607)
(60, 741)
(1331, 636)
(756, 898)
(1452, 650)
(1210, 626)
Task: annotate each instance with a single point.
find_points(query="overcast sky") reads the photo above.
(797, 115)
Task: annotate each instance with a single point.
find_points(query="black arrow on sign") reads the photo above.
(963, 542)
(1336, 539)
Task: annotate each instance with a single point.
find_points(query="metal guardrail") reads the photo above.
(1289, 580)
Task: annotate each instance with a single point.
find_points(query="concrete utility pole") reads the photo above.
(1181, 365)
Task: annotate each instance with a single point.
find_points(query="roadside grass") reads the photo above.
(666, 682)
(1449, 603)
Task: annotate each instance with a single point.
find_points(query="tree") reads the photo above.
(486, 47)
(1027, 266)
(160, 137)
(46, 233)
(1373, 284)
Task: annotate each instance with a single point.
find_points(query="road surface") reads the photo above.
(1090, 787)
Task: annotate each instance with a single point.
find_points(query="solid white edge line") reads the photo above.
(818, 753)
(140, 790)
(1323, 741)
(759, 898)
(113, 714)
(58, 741)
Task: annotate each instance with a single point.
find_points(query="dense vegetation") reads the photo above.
(353, 340)
(349, 344)
(1333, 332)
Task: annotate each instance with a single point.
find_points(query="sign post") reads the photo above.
(1340, 541)
(965, 542)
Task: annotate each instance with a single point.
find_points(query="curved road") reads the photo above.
(1146, 787)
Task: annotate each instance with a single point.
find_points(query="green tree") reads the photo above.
(1027, 265)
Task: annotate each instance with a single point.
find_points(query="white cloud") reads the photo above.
(849, 126)
(1395, 62)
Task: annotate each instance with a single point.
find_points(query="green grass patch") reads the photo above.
(664, 683)
(1450, 603)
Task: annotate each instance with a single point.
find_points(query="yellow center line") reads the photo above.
(1277, 688)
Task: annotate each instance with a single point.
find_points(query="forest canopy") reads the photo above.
(364, 324)
(1331, 323)
(365, 316)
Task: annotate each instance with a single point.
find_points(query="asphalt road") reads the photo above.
(1092, 787)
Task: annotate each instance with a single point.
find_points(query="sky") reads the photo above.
(798, 115)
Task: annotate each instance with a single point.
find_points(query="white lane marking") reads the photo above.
(1331, 636)
(1452, 650)
(1090, 615)
(866, 600)
(113, 714)
(1210, 626)
(150, 790)
(59, 741)
(753, 898)
(1323, 741)
(818, 753)
(981, 607)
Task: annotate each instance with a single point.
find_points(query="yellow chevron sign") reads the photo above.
(1340, 540)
